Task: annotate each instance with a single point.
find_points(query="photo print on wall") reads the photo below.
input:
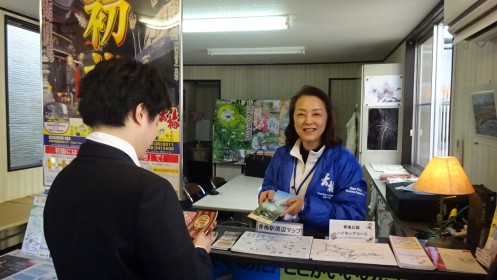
(383, 128)
(383, 90)
(485, 113)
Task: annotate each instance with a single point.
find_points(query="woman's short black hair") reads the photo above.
(115, 87)
(329, 136)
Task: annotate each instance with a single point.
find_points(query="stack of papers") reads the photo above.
(389, 168)
(226, 241)
(455, 260)
(409, 253)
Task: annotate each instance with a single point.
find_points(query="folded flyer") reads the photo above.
(270, 210)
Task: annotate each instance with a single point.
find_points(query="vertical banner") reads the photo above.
(76, 35)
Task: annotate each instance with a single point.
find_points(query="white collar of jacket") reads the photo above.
(116, 142)
(313, 156)
(303, 169)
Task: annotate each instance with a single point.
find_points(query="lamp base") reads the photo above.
(447, 242)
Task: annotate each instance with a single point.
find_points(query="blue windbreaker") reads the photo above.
(337, 189)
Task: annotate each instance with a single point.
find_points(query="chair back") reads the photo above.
(216, 182)
(193, 192)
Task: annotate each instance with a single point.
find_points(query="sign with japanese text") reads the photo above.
(354, 231)
(284, 228)
(78, 34)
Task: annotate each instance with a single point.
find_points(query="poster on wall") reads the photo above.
(383, 128)
(270, 118)
(76, 35)
(244, 126)
(485, 114)
(232, 131)
(383, 90)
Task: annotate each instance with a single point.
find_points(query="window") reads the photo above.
(432, 96)
(23, 94)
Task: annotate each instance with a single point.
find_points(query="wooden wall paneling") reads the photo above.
(474, 65)
(345, 95)
(456, 137)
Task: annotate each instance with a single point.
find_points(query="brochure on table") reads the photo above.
(270, 210)
(16, 265)
(409, 253)
(487, 255)
(455, 260)
(34, 243)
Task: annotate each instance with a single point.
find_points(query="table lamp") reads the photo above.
(446, 177)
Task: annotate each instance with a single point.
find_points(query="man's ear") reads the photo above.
(139, 114)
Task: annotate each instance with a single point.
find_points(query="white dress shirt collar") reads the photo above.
(116, 142)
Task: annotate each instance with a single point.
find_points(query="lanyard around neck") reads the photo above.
(297, 190)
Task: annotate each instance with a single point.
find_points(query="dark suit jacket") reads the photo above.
(106, 218)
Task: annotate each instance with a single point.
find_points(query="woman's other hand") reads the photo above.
(295, 206)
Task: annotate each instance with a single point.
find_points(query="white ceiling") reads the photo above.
(330, 30)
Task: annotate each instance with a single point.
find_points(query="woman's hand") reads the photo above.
(265, 196)
(295, 206)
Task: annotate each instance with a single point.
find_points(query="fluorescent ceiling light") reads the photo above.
(236, 24)
(157, 23)
(256, 51)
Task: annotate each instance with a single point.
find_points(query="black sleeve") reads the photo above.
(163, 243)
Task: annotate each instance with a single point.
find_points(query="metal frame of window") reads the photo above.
(431, 52)
(421, 33)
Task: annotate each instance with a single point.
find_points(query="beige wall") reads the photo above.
(269, 82)
(20, 183)
(475, 69)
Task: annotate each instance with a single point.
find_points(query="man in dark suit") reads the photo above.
(105, 216)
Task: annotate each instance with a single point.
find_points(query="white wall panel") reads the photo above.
(475, 69)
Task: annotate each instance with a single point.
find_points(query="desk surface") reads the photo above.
(335, 267)
(405, 228)
(237, 195)
(15, 212)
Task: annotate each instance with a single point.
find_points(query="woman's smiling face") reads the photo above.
(310, 120)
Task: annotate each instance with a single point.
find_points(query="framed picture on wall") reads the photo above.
(383, 128)
(383, 90)
(485, 114)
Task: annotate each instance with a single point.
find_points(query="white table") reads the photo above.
(239, 194)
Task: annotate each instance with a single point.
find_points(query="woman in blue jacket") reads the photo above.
(325, 177)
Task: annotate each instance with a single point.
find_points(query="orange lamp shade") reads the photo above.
(445, 176)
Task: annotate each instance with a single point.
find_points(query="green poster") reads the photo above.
(232, 131)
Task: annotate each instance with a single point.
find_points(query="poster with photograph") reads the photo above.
(383, 90)
(76, 35)
(244, 126)
(270, 118)
(383, 128)
(485, 114)
(232, 131)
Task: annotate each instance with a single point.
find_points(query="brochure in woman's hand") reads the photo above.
(270, 210)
